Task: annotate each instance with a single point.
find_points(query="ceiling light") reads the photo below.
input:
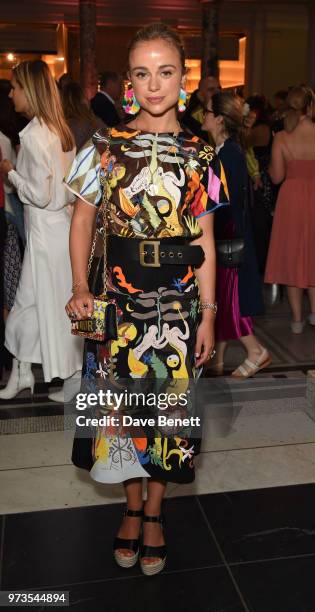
(10, 57)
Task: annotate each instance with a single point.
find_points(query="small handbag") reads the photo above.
(231, 251)
(102, 325)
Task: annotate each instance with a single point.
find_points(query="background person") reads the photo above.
(3, 360)
(79, 116)
(9, 142)
(193, 116)
(104, 102)
(280, 107)
(37, 329)
(14, 214)
(259, 136)
(291, 257)
(238, 291)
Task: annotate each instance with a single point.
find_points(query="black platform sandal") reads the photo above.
(146, 551)
(128, 544)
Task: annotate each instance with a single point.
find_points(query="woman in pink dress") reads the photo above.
(291, 257)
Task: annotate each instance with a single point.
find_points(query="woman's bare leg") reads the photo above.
(256, 353)
(253, 347)
(215, 365)
(295, 295)
(311, 295)
(130, 526)
(220, 349)
(152, 532)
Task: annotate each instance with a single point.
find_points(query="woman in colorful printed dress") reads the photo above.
(161, 184)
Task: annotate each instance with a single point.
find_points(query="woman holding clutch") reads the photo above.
(163, 184)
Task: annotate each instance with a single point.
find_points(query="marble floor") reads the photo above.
(245, 551)
(253, 497)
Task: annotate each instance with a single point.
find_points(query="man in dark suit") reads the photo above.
(103, 103)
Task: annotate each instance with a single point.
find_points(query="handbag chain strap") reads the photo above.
(103, 231)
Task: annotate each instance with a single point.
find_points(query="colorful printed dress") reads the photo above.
(158, 186)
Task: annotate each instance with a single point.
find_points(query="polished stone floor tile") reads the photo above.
(52, 487)
(237, 470)
(207, 590)
(263, 524)
(258, 424)
(35, 449)
(293, 348)
(64, 486)
(75, 545)
(286, 585)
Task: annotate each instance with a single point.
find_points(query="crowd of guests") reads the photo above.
(261, 147)
(42, 125)
(278, 143)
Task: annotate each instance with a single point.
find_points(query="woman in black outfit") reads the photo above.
(238, 290)
(259, 136)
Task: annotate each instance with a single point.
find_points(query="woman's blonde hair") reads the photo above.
(299, 101)
(156, 31)
(43, 97)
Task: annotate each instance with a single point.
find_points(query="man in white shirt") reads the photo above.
(103, 103)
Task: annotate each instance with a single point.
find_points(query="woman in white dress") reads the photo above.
(37, 329)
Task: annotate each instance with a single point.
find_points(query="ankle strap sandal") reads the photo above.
(127, 544)
(151, 552)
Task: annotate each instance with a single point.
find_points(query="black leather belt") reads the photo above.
(154, 253)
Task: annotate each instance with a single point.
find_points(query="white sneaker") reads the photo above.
(311, 318)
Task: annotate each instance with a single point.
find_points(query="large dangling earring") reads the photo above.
(182, 100)
(130, 104)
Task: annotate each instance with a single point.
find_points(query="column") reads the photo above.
(255, 53)
(311, 45)
(88, 69)
(210, 38)
(74, 54)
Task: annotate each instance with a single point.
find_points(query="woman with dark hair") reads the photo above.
(79, 116)
(238, 291)
(163, 184)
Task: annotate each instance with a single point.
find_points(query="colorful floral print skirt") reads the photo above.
(158, 317)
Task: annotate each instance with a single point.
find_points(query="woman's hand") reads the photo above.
(80, 306)
(205, 340)
(258, 184)
(6, 166)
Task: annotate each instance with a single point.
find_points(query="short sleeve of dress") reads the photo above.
(83, 178)
(213, 191)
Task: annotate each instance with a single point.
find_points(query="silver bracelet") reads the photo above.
(209, 306)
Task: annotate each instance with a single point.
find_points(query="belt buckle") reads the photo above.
(142, 254)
